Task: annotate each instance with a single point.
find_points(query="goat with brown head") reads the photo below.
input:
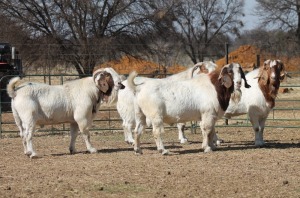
(228, 83)
(203, 68)
(105, 84)
(269, 78)
(108, 82)
(259, 100)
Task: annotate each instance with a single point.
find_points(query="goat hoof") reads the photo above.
(138, 151)
(130, 142)
(33, 156)
(218, 142)
(213, 147)
(207, 150)
(28, 153)
(93, 150)
(183, 141)
(260, 144)
(72, 151)
(165, 152)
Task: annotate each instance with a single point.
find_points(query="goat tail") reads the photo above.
(130, 81)
(11, 87)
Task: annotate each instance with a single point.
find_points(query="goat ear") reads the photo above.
(263, 77)
(226, 81)
(282, 76)
(101, 81)
(282, 70)
(103, 86)
(266, 63)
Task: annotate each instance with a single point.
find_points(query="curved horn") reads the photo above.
(196, 66)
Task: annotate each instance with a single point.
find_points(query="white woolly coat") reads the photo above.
(54, 104)
(179, 101)
(252, 100)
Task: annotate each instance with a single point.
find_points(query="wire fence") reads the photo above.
(286, 113)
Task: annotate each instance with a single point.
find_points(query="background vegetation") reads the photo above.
(84, 34)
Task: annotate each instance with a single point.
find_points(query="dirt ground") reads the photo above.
(235, 169)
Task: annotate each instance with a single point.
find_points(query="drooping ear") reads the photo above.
(282, 76)
(224, 76)
(263, 73)
(266, 64)
(103, 85)
(226, 81)
(104, 81)
(263, 76)
(282, 70)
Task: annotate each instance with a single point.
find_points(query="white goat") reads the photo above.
(75, 102)
(204, 98)
(259, 100)
(125, 105)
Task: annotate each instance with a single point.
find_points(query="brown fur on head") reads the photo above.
(269, 78)
(105, 83)
(202, 68)
(223, 82)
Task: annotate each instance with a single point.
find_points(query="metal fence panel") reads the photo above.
(286, 114)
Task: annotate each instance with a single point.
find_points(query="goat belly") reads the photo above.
(55, 118)
(181, 116)
(180, 119)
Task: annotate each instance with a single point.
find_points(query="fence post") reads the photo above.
(227, 61)
(0, 114)
(226, 52)
(257, 61)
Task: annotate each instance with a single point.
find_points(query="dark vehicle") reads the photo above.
(10, 66)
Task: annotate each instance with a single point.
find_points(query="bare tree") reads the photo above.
(86, 33)
(80, 32)
(162, 45)
(201, 22)
(284, 14)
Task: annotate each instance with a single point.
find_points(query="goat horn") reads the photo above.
(194, 69)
